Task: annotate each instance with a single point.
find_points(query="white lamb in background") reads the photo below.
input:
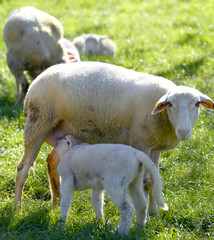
(34, 42)
(103, 103)
(117, 169)
(90, 44)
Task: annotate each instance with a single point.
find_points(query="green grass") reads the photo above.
(174, 39)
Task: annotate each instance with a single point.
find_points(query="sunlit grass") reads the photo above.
(174, 39)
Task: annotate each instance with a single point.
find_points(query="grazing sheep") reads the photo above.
(115, 168)
(90, 44)
(98, 103)
(34, 42)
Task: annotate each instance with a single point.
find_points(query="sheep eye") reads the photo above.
(197, 104)
(169, 104)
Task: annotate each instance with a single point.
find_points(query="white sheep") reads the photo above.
(90, 44)
(34, 42)
(98, 103)
(117, 169)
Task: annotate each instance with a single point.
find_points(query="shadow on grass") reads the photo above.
(8, 110)
(191, 38)
(190, 69)
(7, 102)
(37, 223)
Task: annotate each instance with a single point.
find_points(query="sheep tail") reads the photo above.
(156, 179)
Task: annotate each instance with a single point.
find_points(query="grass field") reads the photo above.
(174, 39)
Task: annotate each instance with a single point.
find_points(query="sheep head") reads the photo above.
(63, 145)
(182, 105)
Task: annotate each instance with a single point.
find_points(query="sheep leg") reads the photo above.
(67, 189)
(17, 87)
(120, 198)
(36, 130)
(30, 153)
(20, 79)
(53, 158)
(97, 202)
(139, 199)
(153, 209)
(52, 162)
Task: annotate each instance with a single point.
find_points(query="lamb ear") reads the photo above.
(160, 105)
(206, 102)
(68, 143)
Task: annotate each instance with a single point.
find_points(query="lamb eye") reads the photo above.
(197, 104)
(169, 104)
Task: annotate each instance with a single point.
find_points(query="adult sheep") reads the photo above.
(34, 42)
(99, 102)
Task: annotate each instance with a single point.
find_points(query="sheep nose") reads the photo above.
(183, 132)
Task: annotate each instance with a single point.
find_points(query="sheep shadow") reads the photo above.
(190, 38)
(7, 102)
(190, 69)
(37, 223)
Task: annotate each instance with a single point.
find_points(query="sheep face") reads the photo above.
(183, 109)
(183, 112)
(63, 145)
(92, 46)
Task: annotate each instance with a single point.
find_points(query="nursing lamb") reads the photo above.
(116, 168)
(99, 102)
(34, 42)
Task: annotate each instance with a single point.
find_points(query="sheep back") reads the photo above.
(102, 101)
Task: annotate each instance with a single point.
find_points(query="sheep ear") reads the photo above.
(102, 37)
(160, 105)
(206, 102)
(68, 143)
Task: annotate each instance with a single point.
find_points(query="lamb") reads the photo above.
(90, 44)
(103, 103)
(34, 42)
(115, 168)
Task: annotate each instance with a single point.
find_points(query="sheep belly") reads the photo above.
(84, 181)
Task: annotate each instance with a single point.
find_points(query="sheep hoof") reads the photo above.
(62, 225)
(153, 212)
(17, 208)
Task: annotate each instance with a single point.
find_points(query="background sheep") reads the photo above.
(71, 50)
(115, 168)
(34, 42)
(90, 44)
(100, 102)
